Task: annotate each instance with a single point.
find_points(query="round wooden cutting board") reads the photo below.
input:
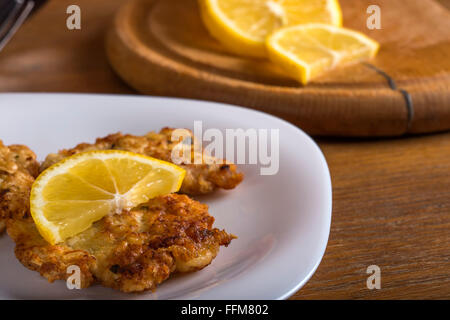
(161, 47)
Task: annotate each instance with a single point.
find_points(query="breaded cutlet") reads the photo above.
(18, 168)
(132, 251)
(200, 178)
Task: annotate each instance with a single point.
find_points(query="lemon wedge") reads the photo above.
(72, 194)
(306, 51)
(243, 25)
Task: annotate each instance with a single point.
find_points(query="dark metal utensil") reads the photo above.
(12, 14)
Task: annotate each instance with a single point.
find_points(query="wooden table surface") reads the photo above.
(391, 197)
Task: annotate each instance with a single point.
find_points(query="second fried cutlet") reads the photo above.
(18, 168)
(132, 251)
(200, 178)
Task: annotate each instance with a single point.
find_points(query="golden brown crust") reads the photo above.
(200, 178)
(16, 158)
(132, 251)
(18, 168)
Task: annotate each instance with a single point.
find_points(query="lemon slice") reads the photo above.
(306, 51)
(243, 25)
(72, 194)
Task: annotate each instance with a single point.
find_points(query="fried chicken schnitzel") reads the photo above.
(132, 251)
(18, 168)
(200, 178)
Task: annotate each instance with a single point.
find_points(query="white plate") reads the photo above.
(282, 221)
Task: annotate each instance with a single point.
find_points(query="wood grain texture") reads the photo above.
(45, 56)
(161, 47)
(391, 198)
(392, 209)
